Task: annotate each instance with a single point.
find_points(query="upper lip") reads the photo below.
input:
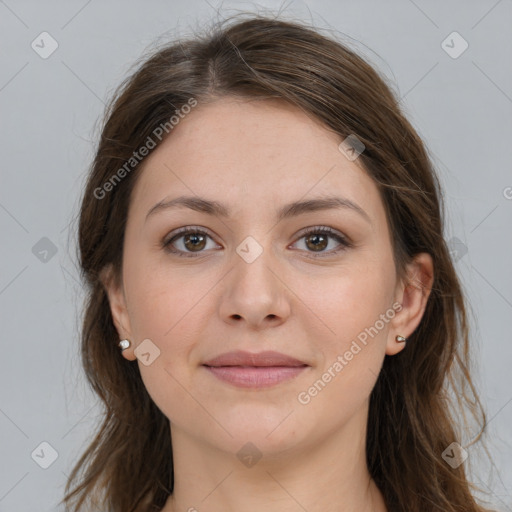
(241, 358)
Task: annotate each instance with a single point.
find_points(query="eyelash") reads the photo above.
(324, 230)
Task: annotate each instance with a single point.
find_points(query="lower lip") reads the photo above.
(255, 376)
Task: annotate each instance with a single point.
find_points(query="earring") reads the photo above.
(124, 344)
(400, 339)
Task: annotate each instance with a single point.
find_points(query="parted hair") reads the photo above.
(420, 401)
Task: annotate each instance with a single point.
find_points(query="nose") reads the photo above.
(254, 294)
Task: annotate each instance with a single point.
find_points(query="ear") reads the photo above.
(412, 295)
(118, 309)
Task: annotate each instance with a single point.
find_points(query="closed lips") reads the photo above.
(248, 359)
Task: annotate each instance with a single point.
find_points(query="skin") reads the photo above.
(255, 156)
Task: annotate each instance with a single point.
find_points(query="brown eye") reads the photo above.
(317, 241)
(194, 242)
(188, 242)
(318, 238)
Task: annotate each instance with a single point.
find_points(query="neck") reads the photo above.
(330, 475)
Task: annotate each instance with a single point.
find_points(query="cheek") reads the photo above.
(351, 358)
(168, 310)
(351, 300)
(357, 307)
(162, 299)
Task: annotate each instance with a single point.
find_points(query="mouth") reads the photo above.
(248, 370)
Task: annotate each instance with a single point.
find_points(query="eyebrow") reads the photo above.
(203, 205)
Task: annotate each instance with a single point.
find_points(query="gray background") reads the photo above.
(50, 110)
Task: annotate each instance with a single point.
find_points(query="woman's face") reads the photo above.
(257, 281)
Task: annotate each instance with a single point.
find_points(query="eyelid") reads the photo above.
(344, 241)
(323, 229)
(178, 233)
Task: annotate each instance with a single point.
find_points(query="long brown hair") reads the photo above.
(128, 466)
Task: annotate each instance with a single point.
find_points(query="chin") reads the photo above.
(271, 428)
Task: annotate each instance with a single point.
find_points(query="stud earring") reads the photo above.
(400, 339)
(124, 344)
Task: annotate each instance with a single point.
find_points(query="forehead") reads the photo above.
(250, 153)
